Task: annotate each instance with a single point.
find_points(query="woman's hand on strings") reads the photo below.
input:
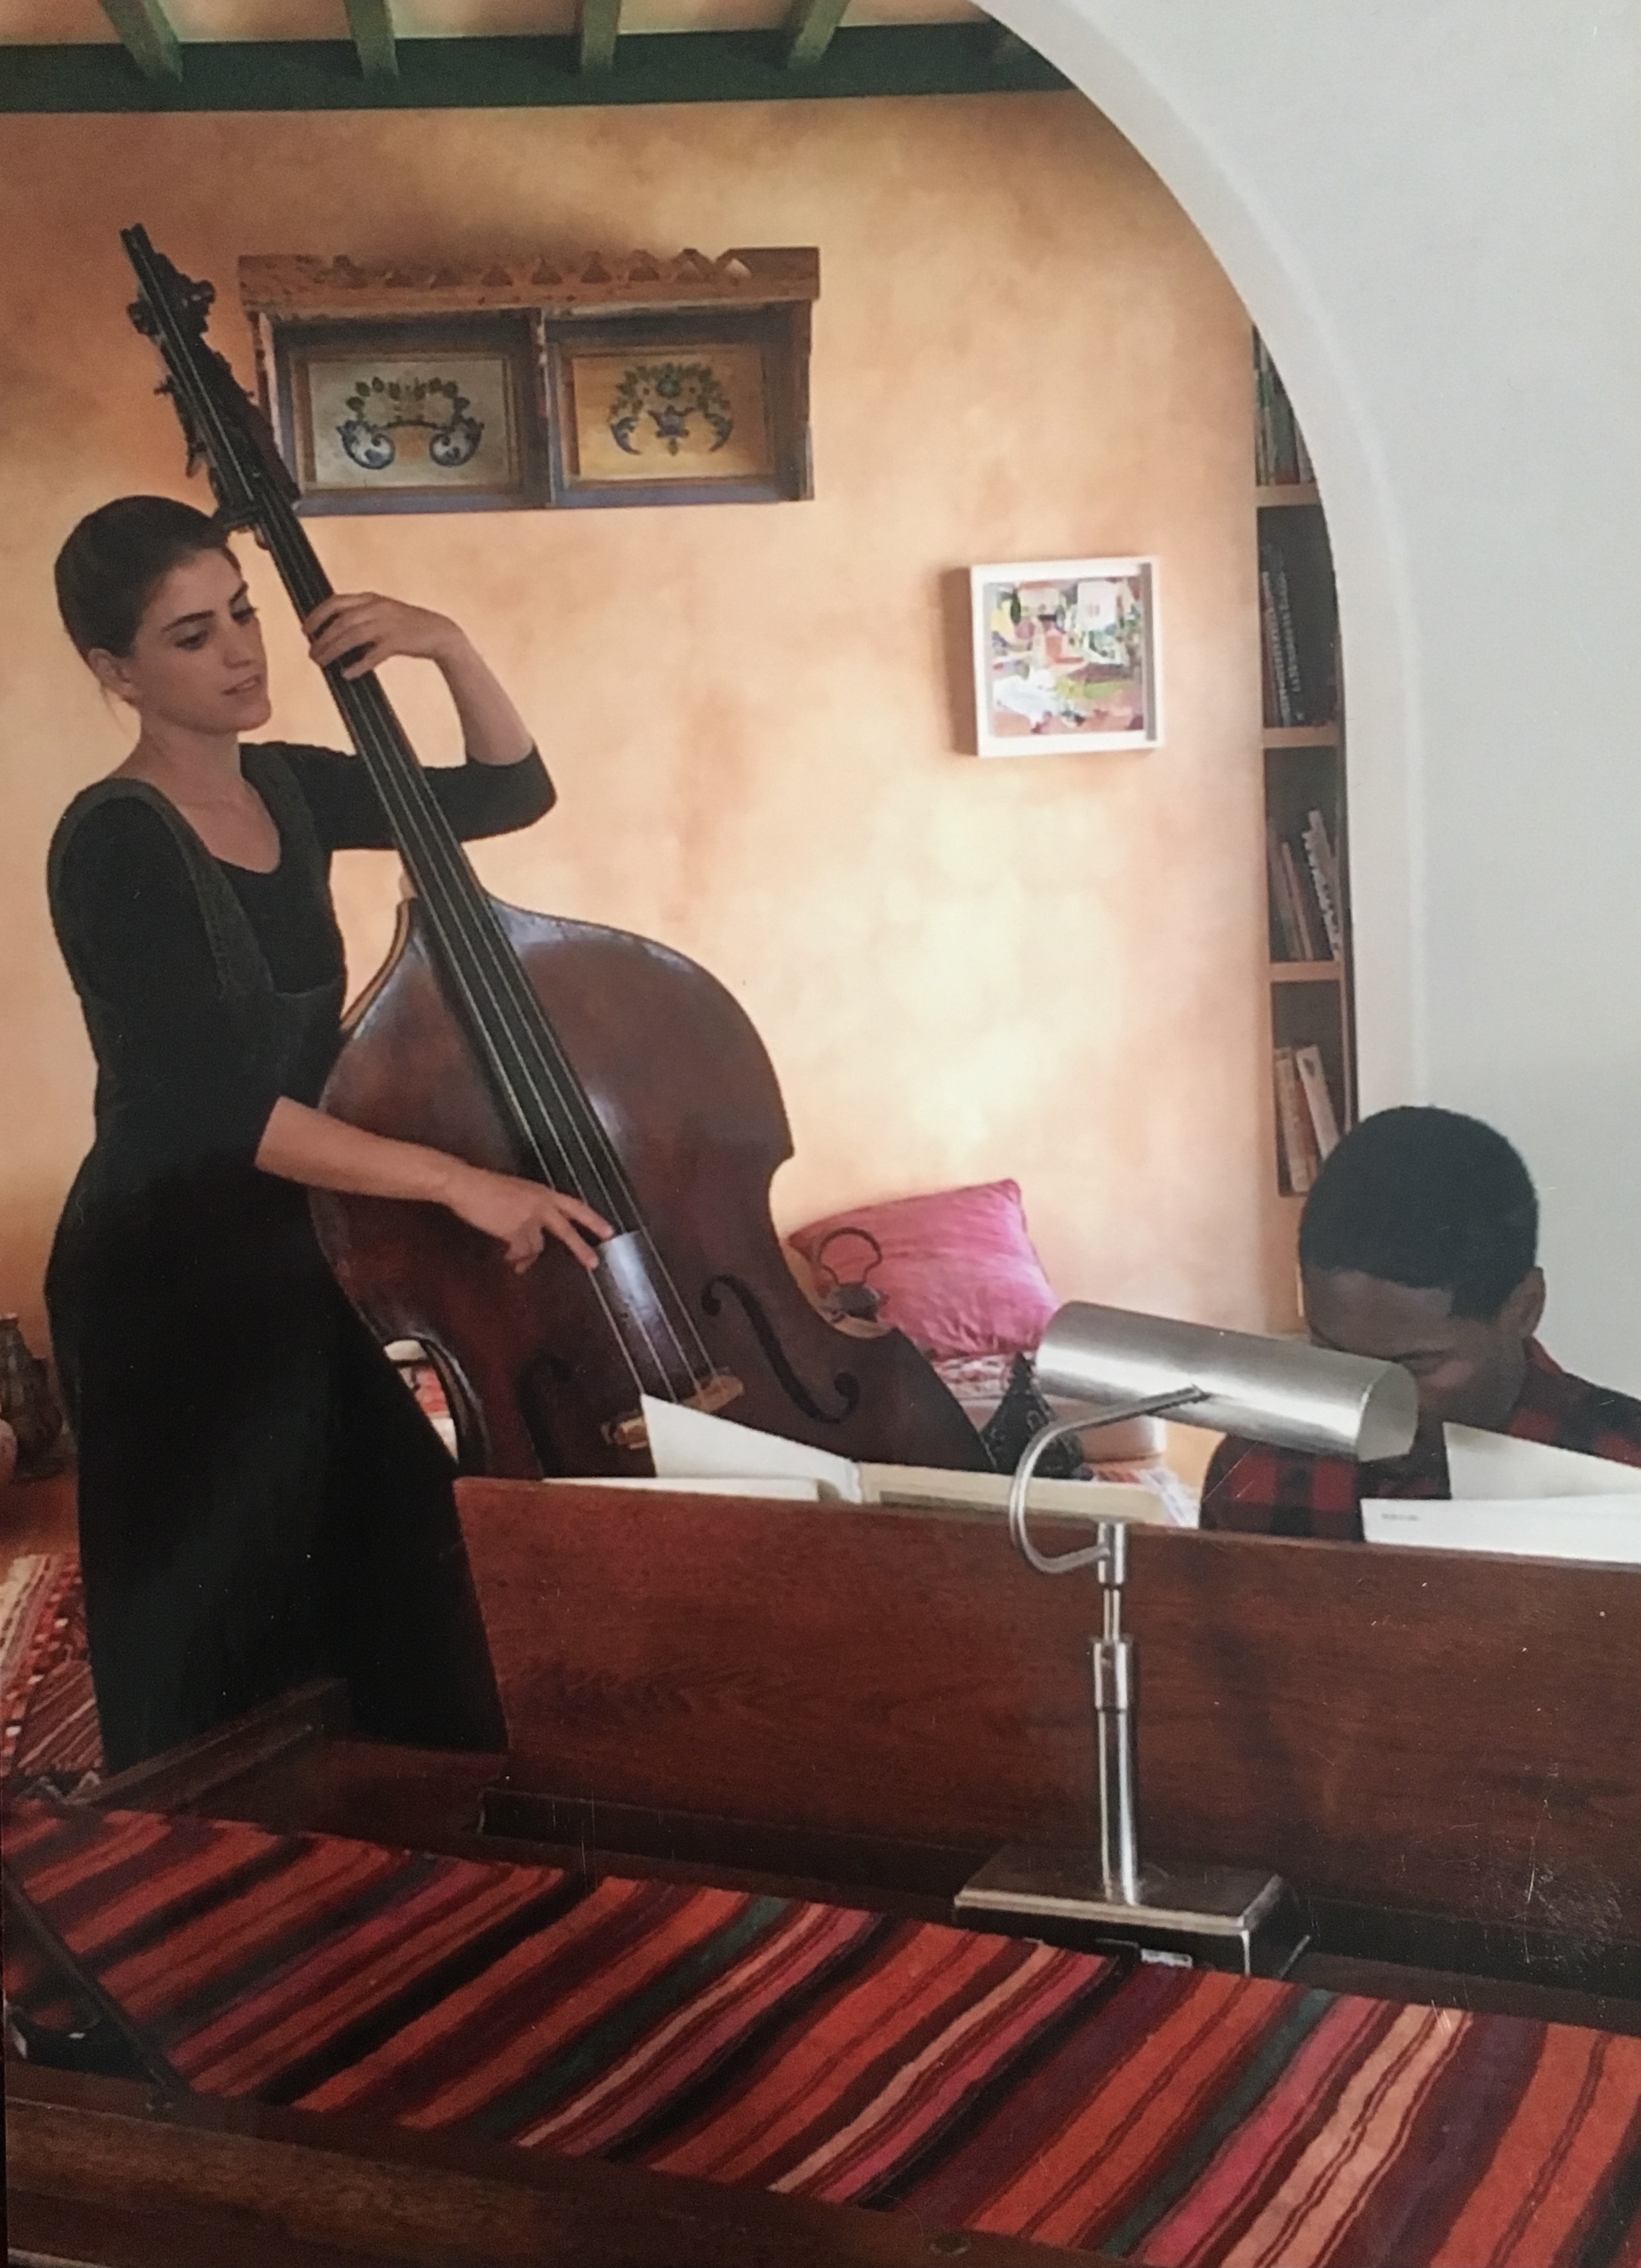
(300, 1145)
(522, 1215)
(361, 629)
(357, 631)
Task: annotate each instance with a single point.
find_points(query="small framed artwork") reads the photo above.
(666, 409)
(1066, 656)
(416, 415)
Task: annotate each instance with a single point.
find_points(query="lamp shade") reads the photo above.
(1282, 1391)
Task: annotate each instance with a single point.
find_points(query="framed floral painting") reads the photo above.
(678, 408)
(1066, 655)
(413, 417)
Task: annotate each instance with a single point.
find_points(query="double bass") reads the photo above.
(599, 1063)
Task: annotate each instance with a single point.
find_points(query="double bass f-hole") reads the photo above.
(846, 1387)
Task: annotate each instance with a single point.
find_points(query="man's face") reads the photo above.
(1468, 1373)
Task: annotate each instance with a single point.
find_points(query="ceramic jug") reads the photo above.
(26, 1398)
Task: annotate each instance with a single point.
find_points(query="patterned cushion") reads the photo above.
(960, 1275)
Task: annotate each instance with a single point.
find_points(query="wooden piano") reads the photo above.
(853, 1709)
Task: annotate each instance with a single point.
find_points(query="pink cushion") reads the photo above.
(959, 1274)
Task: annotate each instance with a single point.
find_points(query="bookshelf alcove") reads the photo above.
(1313, 1033)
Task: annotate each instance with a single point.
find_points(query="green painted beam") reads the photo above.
(147, 38)
(809, 31)
(371, 25)
(506, 74)
(597, 34)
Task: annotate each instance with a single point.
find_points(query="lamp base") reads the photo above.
(1214, 1917)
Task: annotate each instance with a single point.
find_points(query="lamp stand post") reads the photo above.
(1213, 1916)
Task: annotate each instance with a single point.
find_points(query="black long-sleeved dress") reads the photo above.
(259, 1499)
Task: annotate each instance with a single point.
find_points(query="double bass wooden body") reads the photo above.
(685, 1091)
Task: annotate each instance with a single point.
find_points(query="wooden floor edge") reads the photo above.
(348, 2189)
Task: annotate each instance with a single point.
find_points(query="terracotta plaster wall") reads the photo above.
(1049, 968)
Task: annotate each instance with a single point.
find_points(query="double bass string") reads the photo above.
(469, 935)
(443, 895)
(424, 836)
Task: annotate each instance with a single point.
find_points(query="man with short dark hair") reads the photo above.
(1418, 1245)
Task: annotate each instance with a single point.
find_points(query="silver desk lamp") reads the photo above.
(1296, 1397)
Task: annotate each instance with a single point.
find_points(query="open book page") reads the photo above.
(782, 1488)
(689, 1445)
(930, 1488)
(1607, 1529)
(1496, 1466)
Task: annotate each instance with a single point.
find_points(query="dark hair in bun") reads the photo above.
(116, 559)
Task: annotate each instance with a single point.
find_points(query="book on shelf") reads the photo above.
(1297, 628)
(1294, 1125)
(1307, 1062)
(1324, 873)
(1281, 459)
(1308, 929)
(1278, 703)
(1287, 933)
(1264, 446)
(1269, 692)
(1287, 674)
(1306, 905)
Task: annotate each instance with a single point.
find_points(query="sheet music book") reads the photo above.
(1490, 1466)
(777, 1488)
(1525, 1498)
(1602, 1529)
(689, 1446)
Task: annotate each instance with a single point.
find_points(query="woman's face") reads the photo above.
(198, 660)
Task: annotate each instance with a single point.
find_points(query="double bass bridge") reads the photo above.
(716, 1393)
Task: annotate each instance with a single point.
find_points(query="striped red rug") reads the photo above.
(48, 1727)
(1167, 2115)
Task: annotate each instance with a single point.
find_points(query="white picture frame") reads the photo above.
(1067, 656)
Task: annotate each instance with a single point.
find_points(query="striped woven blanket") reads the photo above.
(48, 1727)
(1165, 2114)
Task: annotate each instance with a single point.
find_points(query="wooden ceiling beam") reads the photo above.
(371, 25)
(509, 73)
(809, 30)
(597, 31)
(146, 35)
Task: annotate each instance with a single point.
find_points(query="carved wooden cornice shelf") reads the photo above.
(300, 287)
(555, 379)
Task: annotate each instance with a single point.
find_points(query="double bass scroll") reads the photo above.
(600, 1063)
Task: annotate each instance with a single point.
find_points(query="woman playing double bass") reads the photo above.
(260, 1500)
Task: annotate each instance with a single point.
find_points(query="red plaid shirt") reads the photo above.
(1265, 1492)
